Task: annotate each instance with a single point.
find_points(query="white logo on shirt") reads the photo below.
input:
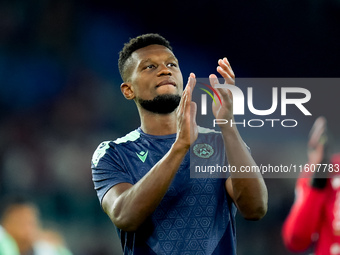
(100, 152)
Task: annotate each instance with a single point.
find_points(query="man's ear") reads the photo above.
(127, 90)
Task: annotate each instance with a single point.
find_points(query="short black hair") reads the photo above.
(138, 43)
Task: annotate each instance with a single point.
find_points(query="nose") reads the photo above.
(164, 70)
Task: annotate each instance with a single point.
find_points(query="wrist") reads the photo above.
(180, 147)
(229, 130)
(225, 123)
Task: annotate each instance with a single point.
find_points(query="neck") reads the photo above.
(158, 124)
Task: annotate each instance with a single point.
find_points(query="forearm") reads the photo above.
(135, 204)
(304, 218)
(248, 189)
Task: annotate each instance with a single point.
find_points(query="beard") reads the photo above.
(161, 104)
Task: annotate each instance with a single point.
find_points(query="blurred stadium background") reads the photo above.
(60, 96)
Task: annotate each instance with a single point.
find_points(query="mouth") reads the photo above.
(166, 82)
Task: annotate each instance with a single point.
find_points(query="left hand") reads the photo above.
(224, 111)
(187, 130)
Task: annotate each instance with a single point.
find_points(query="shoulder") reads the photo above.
(110, 147)
(130, 137)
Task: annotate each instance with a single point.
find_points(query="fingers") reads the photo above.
(213, 81)
(225, 67)
(187, 94)
(186, 113)
(193, 111)
(191, 83)
(181, 106)
(223, 92)
(226, 71)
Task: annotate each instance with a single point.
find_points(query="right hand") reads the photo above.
(187, 130)
(224, 111)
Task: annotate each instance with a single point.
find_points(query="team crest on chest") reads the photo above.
(203, 150)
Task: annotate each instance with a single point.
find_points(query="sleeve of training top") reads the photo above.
(304, 217)
(107, 169)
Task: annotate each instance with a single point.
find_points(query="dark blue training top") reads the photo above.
(196, 216)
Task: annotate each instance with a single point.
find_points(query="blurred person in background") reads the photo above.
(21, 232)
(314, 220)
(143, 179)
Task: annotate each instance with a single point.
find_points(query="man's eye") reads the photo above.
(172, 65)
(149, 66)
